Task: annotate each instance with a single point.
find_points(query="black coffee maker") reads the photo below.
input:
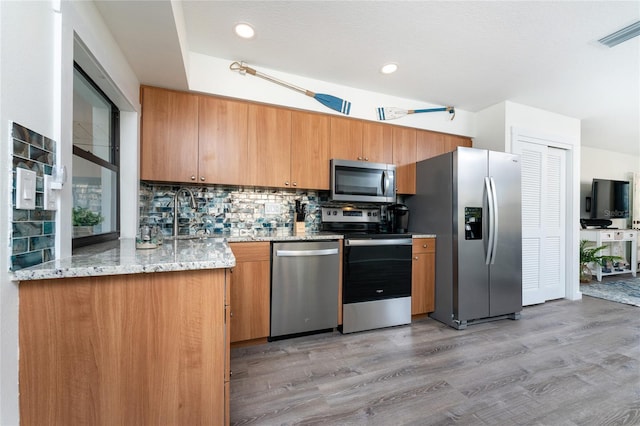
(398, 218)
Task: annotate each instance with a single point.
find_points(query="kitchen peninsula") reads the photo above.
(115, 335)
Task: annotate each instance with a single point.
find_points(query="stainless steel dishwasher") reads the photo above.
(304, 287)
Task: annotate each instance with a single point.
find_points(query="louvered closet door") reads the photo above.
(543, 221)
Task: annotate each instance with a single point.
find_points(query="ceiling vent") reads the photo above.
(624, 34)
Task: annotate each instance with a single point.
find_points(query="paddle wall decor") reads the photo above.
(329, 101)
(390, 113)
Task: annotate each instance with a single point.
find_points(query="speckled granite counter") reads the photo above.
(306, 237)
(121, 257)
(181, 254)
(423, 235)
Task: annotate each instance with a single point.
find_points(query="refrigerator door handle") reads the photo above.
(496, 215)
(490, 205)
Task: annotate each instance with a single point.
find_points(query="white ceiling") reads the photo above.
(469, 54)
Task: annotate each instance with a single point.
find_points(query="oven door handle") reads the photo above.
(299, 253)
(379, 242)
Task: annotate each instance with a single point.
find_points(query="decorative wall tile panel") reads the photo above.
(226, 210)
(32, 231)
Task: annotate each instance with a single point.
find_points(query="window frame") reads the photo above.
(113, 164)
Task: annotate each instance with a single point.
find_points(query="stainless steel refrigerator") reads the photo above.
(470, 199)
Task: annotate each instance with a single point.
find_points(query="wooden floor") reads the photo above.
(562, 363)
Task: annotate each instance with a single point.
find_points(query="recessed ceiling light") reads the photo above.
(389, 68)
(244, 30)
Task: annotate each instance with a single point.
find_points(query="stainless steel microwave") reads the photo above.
(359, 181)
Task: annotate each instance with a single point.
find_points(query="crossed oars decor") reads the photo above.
(332, 102)
(390, 113)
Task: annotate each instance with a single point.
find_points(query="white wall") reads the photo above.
(36, 61)
(604, 164)
(213, 76)
(27, 98)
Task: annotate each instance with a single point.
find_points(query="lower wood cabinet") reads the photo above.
(250, 291)
(423, 275)
(138, 349)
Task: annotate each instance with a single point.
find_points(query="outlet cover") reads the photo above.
(272, 208)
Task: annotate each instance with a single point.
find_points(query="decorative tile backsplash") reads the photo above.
(32, 236)
(228, 211)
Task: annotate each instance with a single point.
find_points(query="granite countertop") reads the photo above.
(179, 254)
(122, 257)
(315, 236)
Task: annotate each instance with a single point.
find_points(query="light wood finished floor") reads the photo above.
(563, 363)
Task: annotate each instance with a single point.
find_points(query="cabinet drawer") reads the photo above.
(625, 235)
(607, 235)
(424, 245)
(251, 252)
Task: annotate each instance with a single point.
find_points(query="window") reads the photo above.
(95, 178)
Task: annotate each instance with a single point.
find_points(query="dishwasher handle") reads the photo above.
(299, 253)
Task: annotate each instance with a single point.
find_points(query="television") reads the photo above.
(609, 199)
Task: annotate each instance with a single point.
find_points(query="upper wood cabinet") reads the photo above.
(357, 140)
(346, 139)
(377, 142)
(222, 135)
(269, 146)
(310, 150)
(430, 144)
(454, 141)
(212, 140)
(169, 135)
(404, 157)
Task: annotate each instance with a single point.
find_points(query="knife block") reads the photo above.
(299, 228)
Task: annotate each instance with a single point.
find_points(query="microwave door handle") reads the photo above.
(385, 182)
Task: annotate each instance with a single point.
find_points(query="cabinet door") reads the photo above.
(454, 141)
(227, 355)
(269, 147)
(169, 136)
(310, 150)
(346, 139)
(377, 143)
(250, 291)
(429, 144)
(222, 134)
(423, 276)
(142, 349)
(404, 157)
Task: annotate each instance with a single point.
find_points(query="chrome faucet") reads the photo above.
(176, 204)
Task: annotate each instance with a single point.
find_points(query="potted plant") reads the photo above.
(84, 220)
(589, 255)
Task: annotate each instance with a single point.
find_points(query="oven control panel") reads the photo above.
(350, 214)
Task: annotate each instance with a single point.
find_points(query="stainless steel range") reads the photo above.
(376, 280)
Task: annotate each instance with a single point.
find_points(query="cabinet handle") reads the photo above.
(295, 183)
(231, 314)
(366, 158)
(193, 177)
(424, 246)
(415, 258)
(359, 158)
(286, 182)
(202, 178)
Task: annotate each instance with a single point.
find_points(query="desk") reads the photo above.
(610, 237)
